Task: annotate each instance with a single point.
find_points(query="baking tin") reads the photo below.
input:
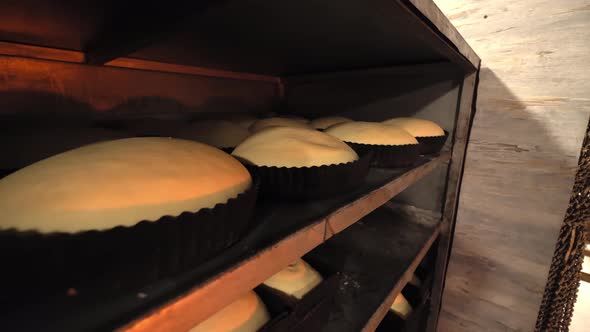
(94, 263)
(314, 182)
(389, 156)
(227, 150)
(432, 144)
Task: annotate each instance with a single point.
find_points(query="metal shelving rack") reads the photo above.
(369, 60)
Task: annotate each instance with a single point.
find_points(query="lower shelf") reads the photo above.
(287, 231)
(416, 322)
(377, 257)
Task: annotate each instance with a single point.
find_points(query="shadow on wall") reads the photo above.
(519, 173)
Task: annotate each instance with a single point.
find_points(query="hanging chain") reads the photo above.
(561, 290)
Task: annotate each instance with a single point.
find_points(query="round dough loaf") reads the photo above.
(247, 314)
(417, 127)
(23, 148)
(323, 123)
(217, 133)
(401, 307)
(296, 280)
(277, 122)
(244, 120)
(118, 183)
(246, 123)
(373, 133)
(294, 147)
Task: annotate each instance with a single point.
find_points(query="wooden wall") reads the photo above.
(64, 99)
(532, 111)
(51, 87)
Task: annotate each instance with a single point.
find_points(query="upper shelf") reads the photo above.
(278, 38)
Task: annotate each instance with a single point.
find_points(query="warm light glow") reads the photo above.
(244, 315)
(118, 183)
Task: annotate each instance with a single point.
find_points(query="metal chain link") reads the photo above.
(561, 290)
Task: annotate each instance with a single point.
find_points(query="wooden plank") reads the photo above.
(35, 85)
(58, 23)
(436, 17)
(40, 52)
(532, 109)
(340, 219)
(183, 312)
(455, 175)
(581, 318)
(188, 70)
(48, 53)
(436, 40)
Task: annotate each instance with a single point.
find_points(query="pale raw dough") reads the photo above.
(401, 307)
(246, 123)
(323, 123)
(296, 280)
(373, 133)
(294, 147)
(23, 148)
(247, 314)
(217, 133)
(244, 120)
(277, 122)
(417, 127)
(118, 183)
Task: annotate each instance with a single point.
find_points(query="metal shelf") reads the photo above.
(376, 257)
(287, 230)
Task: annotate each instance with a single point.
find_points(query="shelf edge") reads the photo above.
(179, 314)
(380, 313)
(77, 57)
(346, 216)
(435, 37)
(439, 20)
